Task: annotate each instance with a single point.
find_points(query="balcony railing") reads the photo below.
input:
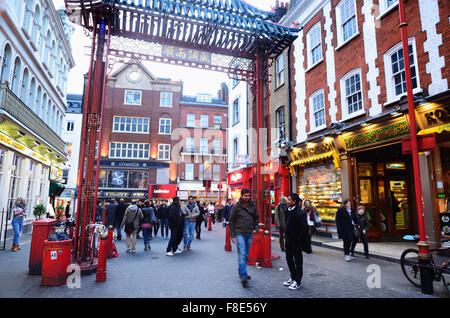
(203, 151)
(14, 106)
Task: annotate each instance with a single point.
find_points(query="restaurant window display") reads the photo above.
(123, 179)
(443, 188)
(322, 185)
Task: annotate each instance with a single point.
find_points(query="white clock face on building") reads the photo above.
(118, 178)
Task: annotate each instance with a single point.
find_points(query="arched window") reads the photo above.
(16, 76)
(24, 88)
(36, 26)
(41, 112)
(53, 118)
(32, 96)
(38, 100)
(6, 64)
(48, 44)
(60, 124)
(47, 116)
(51, 56)
(28, 14)
(42, 35)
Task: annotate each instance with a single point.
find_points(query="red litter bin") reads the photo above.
(42, 229)
(55, 260)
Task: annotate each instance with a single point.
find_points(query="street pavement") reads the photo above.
(208, 271)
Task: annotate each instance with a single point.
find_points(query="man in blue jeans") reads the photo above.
(243, 223)
(190, 211)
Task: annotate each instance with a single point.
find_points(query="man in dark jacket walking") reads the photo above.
(243, 223)
(163, 212)
(111, 213)
(296, 230)
(120, 212)
(227, 210)
(280, 219)
(199, 220)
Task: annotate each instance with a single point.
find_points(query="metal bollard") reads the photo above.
(227, 238)
(101, 267)
(109, 254)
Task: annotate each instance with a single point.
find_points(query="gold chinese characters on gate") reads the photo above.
(186, 54)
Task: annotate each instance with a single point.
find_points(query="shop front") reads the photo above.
(318, 176)
(159, 192)
(381, 177)
(239, 180)
(434, 118)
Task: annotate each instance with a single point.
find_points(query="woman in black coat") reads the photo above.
(176, 227)
(346, 219)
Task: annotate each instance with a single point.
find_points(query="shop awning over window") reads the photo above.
(55, 189)
(437, 129)
(322, 156)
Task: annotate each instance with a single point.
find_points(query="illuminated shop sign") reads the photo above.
(5, 140)
(162, 190)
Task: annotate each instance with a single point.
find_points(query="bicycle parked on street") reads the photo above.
(96, 230)
(409, 262)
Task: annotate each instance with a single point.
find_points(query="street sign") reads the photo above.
(424, 143)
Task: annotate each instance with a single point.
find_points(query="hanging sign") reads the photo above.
(186, 54)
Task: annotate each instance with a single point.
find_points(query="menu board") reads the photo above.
(322, 185)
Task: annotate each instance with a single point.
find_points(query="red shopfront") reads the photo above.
(162, 191)
(277, 181)
(238, 180)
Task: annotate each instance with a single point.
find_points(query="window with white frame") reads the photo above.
(189, 171)
(70, 125)
(216, 172)
(204, 121)
(346, 19)
(131, 124)
(395, 71)
(133, 97)
(30, 198)
(201, 171)
(281, 124)
(163, 151)
(351, 94)
(165, 126)
(16, 178)
(190, 120)
(166, 99)
(279, 71)
(204, 98)
(217, 121)
(235, 111)
(314, 43)
(317, 110)
(125, 150)
(235, 150)
(387, 5)
(203, 145)
(217, 145)
(190, 144)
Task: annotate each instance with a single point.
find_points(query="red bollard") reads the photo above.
(227, 239)
(256, 249)
(109, 254)
(101, 267)
(209, 223)
(267, 256)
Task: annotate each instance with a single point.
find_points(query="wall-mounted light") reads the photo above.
(37, 143)
(364, 124)
(21, 133)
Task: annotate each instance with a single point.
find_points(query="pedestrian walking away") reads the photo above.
(313, 218)
(120, 212)
(190, 212)
(199, 220)
(347, 223)
(280, 220)
(19, 213)
(111, 213)
(296, 230)
(211, 212)
(364, 221)
(163, 212)
(157, 223)
(227, 210)
(243, 223)
(176, 226)
(99, 213)
(131, 220)
(148, 222)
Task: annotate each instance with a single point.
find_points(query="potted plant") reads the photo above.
(39, 210)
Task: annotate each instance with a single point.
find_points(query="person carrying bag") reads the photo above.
(131, 220)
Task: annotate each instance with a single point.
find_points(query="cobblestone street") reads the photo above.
(209, 272)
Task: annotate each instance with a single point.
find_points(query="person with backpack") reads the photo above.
(148, 222)
(131, 220)
(176, 227)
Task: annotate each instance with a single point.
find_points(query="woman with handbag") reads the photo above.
(147, 223)
(313, 218)
(347, 224)
(19, 213)
(131, 220)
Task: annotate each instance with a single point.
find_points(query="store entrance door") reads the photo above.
(398, 216)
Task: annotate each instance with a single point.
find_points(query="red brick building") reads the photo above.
(140, 113)
(350, 110)
(202, 145)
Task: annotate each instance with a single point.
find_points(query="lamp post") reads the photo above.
(426, 272)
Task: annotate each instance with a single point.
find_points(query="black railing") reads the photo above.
(3, 228)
